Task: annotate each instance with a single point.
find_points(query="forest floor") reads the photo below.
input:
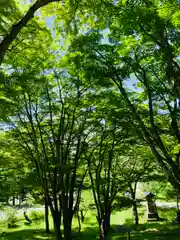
(119, 221)
(145, 231)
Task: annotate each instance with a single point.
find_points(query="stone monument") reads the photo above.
(151, 207)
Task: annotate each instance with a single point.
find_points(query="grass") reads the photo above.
(151, 231)
(145, 231)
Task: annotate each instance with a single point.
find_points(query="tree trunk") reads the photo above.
(177, 199)
(67, 222)
(128, 236)
(79, 222)
(46, 216)
(22, 197)
(13, 201)
(105, 231)
(101, 229)
(57, 224)
(107, 220)
(82, 216)
(106, 225)
(58, 233)
(135, 212)
(134, 205)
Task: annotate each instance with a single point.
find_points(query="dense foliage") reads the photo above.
(90, 97)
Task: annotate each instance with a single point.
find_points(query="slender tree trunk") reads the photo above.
(79, 222)
(46, 216)
(82, 216)
(13, 201)
(22, 197)
(101, 229)
(134, 204)
(135, 212)
(177, 199)
(128, 236)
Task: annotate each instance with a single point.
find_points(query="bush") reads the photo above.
(35, 215)
(11, 218)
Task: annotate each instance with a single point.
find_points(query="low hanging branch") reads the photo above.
(16, 28)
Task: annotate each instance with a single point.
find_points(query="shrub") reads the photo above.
(11, 218)
(35, 215)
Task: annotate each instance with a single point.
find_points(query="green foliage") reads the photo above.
(122, 203)
(36, 216)
(162, 189)
(11, 218)
(13, 169)
(87, 89)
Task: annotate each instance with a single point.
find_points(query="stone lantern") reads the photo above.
(151, 207)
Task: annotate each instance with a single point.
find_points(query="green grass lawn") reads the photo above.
(145, 231)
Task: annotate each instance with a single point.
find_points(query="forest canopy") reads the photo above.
(90, 98)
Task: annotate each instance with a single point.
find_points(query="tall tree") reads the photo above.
(135, 55)
(136, 165)
(50, 124)
(105, 179)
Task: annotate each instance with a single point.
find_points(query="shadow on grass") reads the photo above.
(156, 234)
(28, 234)
(151, 232)
(90, 233)
(87, 233)
(19, 223)
(147, 231)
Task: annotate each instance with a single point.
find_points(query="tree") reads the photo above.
(108, 140)
(136, 165)
(50, 125)
(105, 180)
(128, 78)
(33, 186)
(13, 169)
(134, 51)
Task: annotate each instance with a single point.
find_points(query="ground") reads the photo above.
(145, 231)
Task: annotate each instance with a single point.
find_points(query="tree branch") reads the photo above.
(16, 28)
